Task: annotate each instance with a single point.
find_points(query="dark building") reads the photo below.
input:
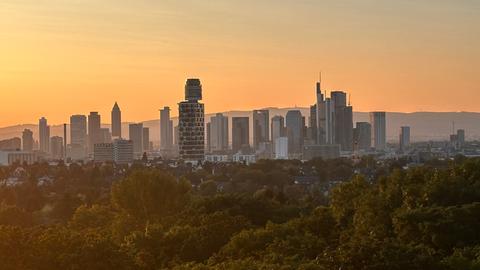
(295, 128)
(261, 134)
(240, 134)
(116, 121)
(191, 126)
(363, 136)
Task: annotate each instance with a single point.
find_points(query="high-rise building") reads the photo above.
(105, 135)
(320, 114)
(122, 151)
(404, 138)
(192, 123)
(261, 127)
(116, 121)
(461, 136)
(166, 130)
(78, 130)
(27, 139)
(343, 121)
(378, 121)
(278, 129)
(295, 125)
(240, 134)
(94, 133)
(136, 136)
(56, 147)
(146, 139)
(44, 135)
(78, 137)
(312, 129)
(281, 148)
(219, 133)
(363, 136)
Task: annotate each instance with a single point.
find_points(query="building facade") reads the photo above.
(191, 125)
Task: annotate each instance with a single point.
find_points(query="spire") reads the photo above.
(115, 106)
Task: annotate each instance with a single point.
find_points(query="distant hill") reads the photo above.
(425, 125)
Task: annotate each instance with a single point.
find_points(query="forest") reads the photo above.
(377, 215)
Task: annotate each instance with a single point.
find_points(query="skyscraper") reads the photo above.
(56, 147)
(295, 125)
(240, 133)
(313, 129)
(146, 139)
(320, 114)
(278, 128)
(94, 133)
(27, 139)
(219, 133)
(166, 130)
(116, 121)
(404, 138)
(192, 123)
(363, 136)
(78, 136)
(343, 121)
(379, 130)
(44, 135)
(135, 132)
(261, 127)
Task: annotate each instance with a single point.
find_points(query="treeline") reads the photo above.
(421, 218)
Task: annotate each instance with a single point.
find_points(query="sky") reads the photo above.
(64, 57)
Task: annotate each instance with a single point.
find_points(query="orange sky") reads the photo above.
(63, 57)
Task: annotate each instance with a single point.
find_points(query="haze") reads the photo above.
(59, 57)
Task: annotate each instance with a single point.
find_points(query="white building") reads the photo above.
(379, 130)
(217, 158)
(247, 159)
(281, 148)
(9, 157)
(218, 133)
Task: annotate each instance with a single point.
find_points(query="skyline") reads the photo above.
(83, 56)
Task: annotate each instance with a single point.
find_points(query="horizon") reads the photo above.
(175, 116)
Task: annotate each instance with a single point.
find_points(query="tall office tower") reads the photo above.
(378, 121)
(404, 138)
(122, 151)
(105, 135)
(363, 136)
(295, 124)
(240, 134)
(136, 136)
(78, 136)
(94, 133)
(327, 114)
(219, 133)
(146, 139)
(192, 123)
(208, 133)
(166, 129)
(278, 129)
(461, 136)
(343, 121)
(44, 135)
(27, 138)
(312, 129)
(56, 147)
(261, 127)
(116, 121)
(320, 114)
(64, 141)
